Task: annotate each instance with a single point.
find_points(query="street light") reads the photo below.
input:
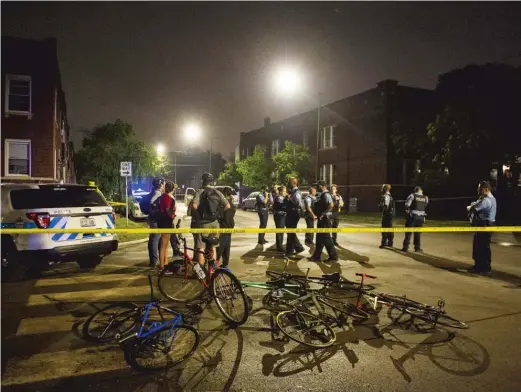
(160, 148)
(192, 132)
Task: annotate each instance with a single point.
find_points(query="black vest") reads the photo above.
(419, 202)
(386, 209)
(336, 204)
(321, 205)
(260, 205)
(278, 205)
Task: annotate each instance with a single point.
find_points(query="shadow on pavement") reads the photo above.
(458, 267)
(346, 254)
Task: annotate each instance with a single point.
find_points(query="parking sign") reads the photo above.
(125, 169)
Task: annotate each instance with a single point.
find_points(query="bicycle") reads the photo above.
(184, 281)
(120, 320)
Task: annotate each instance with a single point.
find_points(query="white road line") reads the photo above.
(38, 325)
(70, 363)
(79, 279)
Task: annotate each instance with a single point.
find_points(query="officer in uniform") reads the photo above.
(293, 203)
(309, 202)
(338, 204)
(323, 208)
(415, 207)
(261, 204)
(279, 216)
(386, 206)
(483, 214)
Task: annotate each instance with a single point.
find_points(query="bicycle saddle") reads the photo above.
(334, 277)
(279, 283)
(210, 241)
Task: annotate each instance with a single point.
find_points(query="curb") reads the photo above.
(124, 244)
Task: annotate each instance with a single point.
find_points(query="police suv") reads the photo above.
(60, 206)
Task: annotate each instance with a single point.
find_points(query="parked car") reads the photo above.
(249, 202)
(61, 206)
(235, 196)
(189, 195)
(134, 211)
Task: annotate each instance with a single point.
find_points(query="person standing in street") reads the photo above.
(323, 207)
(165, 220)
(309, 202)
(293, 203)
(483, 214)
(338, 205)
(261, 205)
(279, 216)
(158, 187)
(415, 208)
(226, 221)
(273, 193)
(386, 206)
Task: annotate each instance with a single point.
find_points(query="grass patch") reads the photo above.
(375, 218)
(121, 223)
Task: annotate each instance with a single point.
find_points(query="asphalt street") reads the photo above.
(43, 350)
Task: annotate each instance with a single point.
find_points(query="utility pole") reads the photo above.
(318, 136)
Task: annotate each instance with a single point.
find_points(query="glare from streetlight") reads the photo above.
(160, 148)
(287, 80)
(192, 132)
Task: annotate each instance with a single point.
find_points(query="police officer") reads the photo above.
(158, 187)
(261, 204)
(338, 204)
(483, 214)
(415, 207)
(386, 206)
(323, 207)
(274, 193)
(279, 216)
(293, 203)
(309, 202)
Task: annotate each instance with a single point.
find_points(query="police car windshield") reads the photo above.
(56, 197)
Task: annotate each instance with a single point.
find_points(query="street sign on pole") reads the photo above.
(125, 169)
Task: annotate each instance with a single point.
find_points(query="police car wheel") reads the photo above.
(89, 262)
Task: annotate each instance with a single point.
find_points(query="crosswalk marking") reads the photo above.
(79, 279)
(55, 365)
(38, 325)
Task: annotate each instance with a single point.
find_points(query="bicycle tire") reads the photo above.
(347, 309)
(218, 288)
(180, 287)
(133, 347)
(317, 321)
(132, 313)
(435, 317)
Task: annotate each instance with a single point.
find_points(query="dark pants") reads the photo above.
(280, 221)
(293, 243)
(481, 252)
(413, 221)
(263, 222)
(153, 245)
(324, 240)
(310, 224)
(387, 238)
(334, 224)
(223, 251)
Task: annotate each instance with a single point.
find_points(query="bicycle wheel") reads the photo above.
(401, 302)
(305, 328)
(112, 322)
(344, 308)
(162, 349)
(178, 282)
(229, 296)
(435, 316)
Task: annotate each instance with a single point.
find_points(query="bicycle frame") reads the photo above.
(208, 258)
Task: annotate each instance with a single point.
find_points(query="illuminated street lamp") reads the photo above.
(160, 148)
(192, 132)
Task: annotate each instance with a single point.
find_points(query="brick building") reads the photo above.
(35, 133)
(354, 147)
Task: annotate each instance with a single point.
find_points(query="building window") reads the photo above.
(18, 94)
(17, 157)
(247, 152)
(305, 139)
(328, 137)
(275, 146)
(327, 174)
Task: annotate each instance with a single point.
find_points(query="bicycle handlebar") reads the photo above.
(364, 275)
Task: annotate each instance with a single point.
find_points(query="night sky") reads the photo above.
(158, 65)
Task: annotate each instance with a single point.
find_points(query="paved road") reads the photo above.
(42, 348)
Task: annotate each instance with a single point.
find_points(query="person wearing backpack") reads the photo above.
(226, 221)
(205, 208)
(165, 218)
(261, 205)
(294, 208)
(158, 187)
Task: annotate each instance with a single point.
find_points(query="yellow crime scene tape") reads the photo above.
(116, 203)
(248, 230)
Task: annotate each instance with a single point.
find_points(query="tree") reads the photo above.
(255, 170)
(230, 175)
(293, 161)
(105, 147)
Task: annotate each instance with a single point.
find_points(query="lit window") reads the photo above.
(327, 174)
(17, 157)
(18, 94)
(328, 137)
(305, 139)
(275, 145)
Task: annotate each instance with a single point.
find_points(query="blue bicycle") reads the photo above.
(157, 344)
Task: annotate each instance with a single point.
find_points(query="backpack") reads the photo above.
(144, 204)
(209, 205)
